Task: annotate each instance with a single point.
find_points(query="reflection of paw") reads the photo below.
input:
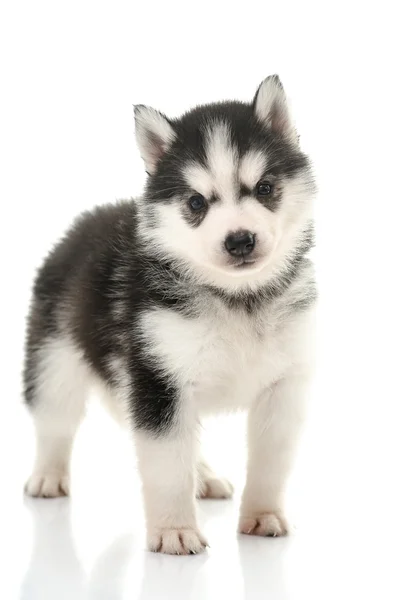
(47, 485)
(267, 524)
(176, 541)
(215, 488)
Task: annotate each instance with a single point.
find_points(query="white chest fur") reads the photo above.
(226, 357)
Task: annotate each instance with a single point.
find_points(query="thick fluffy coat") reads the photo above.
(194, 299)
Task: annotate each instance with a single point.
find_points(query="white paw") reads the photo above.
(48, 485)
(215, 487)
(267, 524)
(176, 541)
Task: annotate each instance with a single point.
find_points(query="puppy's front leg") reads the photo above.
(167, 463)
(274, 423)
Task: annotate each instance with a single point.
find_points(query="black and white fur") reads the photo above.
(143, 300)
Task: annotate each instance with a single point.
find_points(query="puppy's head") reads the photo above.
(229, 190)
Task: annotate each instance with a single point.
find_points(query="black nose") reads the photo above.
(240, 243)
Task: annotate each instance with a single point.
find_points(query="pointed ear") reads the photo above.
(154, 135)
(271, 108)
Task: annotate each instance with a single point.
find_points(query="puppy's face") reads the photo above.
(229, 190)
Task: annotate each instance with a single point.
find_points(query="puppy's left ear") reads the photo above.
(154, 134)
(271, 108)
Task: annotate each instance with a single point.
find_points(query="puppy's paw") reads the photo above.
(48, 485)
(176, 541)
(267, 524)
(215, 487)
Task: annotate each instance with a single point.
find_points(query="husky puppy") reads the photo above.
(194, 299)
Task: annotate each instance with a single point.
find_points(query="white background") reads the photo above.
(70, 73)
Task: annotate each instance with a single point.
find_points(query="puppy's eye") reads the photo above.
(197, 202)
(264, 188)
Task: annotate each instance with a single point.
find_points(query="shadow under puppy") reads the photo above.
(194, 299)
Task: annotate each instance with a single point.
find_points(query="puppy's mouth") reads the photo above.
(245, 263)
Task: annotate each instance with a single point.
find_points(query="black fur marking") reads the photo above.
(273, 200)
(96, 266)
(155, 397)
(285, 159)
(245, 190)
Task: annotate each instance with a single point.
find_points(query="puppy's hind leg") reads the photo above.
(56, 381)
(209, 485)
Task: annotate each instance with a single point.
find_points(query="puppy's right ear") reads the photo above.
(154, 134)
